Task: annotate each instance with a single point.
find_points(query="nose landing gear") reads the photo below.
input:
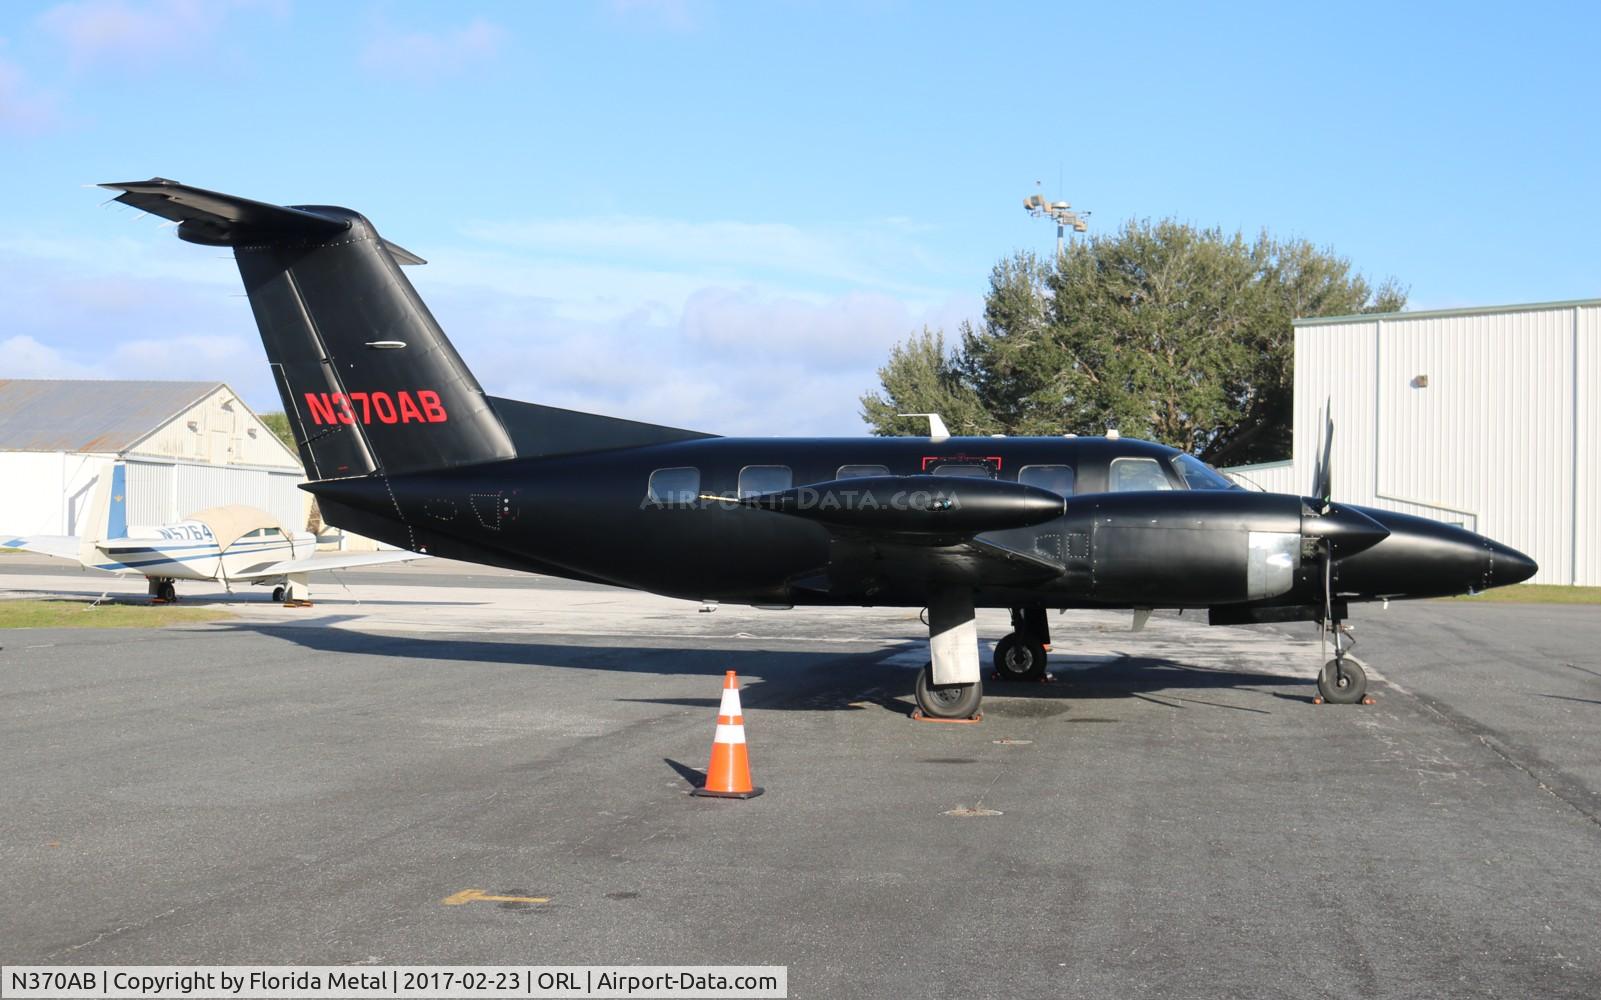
(1342, 681)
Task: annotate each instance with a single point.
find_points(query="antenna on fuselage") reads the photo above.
(937, 431)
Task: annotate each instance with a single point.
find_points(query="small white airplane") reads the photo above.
(229, 545)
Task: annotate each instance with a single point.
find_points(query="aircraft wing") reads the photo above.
(59, 546)
(323, 562)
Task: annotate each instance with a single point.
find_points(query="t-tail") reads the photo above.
(369, 382)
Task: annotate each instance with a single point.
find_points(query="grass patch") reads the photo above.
(78, 614)
(1538, 593)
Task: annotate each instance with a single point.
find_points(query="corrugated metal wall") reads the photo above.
(1273, 477)
(164, 492)
(1486, 419)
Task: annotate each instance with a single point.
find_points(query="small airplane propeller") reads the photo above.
(1322, 478)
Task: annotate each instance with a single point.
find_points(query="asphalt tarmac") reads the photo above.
(1173, 818)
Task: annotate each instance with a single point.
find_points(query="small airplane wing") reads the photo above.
(333, 560)
(59, 546)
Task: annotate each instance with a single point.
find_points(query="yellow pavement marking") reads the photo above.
(479, 895)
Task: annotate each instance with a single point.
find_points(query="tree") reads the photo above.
(278, 423)
(921, 377)
(1165, 331)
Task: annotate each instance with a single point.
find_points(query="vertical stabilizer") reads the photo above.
(107, 516)
(369, 381)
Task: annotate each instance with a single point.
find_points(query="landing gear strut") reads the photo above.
(1020, 656)
(948, 687)
(163, 590)
(1342, 681)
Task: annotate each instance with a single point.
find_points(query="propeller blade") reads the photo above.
(1322, 485)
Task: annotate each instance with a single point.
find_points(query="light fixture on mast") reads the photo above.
(1036, 206)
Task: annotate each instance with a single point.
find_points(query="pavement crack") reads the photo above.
(1546, 776)
(114, 932)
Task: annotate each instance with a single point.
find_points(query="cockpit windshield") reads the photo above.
(1197, 475)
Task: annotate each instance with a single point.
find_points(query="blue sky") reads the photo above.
(722, 215)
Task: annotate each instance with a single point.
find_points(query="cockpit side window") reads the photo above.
(1197, 475)
(1136, 474)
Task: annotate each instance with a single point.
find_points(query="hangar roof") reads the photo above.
(1435, 313)
(90, 415)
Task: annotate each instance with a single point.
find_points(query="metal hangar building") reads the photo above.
(1489, 418)
(187, 446)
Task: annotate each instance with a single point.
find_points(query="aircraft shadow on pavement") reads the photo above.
(812, 680)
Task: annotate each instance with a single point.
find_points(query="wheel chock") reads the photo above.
(918, 716)
(1317, 699)
(1367, 699)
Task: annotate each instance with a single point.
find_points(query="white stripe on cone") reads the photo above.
(730, 705)
(728, 734)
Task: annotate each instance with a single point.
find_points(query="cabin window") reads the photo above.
(1197, 475)
(755, 480)
(675, 486)
(964, 471)
(861, 471)
(1056, 478)
(1132, 475)
(271, 531)
(252, 534)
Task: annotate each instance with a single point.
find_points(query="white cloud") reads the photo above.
(673, 340)
(24, 108)
(101, 32)
(24, 357)
(678, 15)
(872, 255)
(422, 55)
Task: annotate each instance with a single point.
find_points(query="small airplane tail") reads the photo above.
(369, 381)
(107, 515)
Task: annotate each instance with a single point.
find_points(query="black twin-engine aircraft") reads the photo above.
(402, 444)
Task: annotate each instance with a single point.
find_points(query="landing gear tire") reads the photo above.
(1019, 658)
(166, 591)
(278, 595)
(1342, 682)
(947, 701)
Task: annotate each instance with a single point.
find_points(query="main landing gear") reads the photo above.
(1020, 656)
(947, 702)
(162, 589)
(948, 687)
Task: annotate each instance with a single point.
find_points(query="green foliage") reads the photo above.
(921, 377)
(1165, 331)
(279, 425)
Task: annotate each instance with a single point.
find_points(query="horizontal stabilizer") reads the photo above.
(217, 219)
(59, 546)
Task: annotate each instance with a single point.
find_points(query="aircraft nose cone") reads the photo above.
(1508, 566)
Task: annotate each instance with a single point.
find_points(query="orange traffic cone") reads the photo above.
(728, 775)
